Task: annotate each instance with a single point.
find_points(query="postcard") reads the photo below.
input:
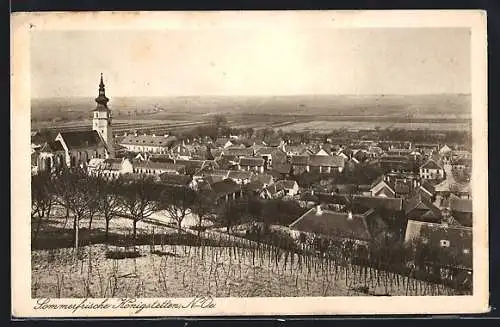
(249, 163)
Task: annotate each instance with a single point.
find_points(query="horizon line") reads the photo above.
(256, 95)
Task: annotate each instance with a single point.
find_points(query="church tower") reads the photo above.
(102, 119)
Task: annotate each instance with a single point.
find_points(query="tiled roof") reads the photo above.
(375, 202)
(254, 162)
(333, 224)
(234, 174)
(82, 139)
(255, 186)
(175, 179)
(300, 160)
(263, 178)
(238, 151)
(112, 164)
(401, 188)
(149, 140)
(224, 187)
(460, 205)
(282, 168)
(326, 161)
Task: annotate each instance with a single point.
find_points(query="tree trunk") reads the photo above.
(76, 224)
(179, 226)
(106, 232)
(90, 222)
(135, 232)
(39, 223)
(66, 218)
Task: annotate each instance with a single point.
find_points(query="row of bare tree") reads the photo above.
(86, 196)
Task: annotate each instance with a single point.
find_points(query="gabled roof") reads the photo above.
(333, 224)
(431, 164)
(52, 146)
(82, 139)
(255, 186)
(422, 203)
(263, 178)
(249, 161)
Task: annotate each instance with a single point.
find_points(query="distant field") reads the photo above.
(439, 112)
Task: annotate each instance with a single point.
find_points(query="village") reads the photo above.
(355, 188)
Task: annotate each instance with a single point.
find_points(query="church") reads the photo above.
(76, 148)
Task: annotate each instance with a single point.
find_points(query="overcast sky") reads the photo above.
(248, 61)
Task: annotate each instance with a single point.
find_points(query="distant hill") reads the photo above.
(187, 107)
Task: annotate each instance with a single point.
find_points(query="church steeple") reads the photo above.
(102, 100)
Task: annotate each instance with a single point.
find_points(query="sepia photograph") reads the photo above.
(249, 163)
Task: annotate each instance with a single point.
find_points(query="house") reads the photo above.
(281, 171)
(451, 245)
(177, 180)
(194, 166)
(300, 164)
(271, 156)
(81, 146)
(223, 142)
(264, 179)
(336, 226)
(238, 151)
(226, 190)
(240, 177)
(461, 210)
(326, 164)
(431, 170)
(181, 152)
(148, 143)
(110, 168)
(421, 208)
(374, 202)
(157, 168)
(397, 163)
(394, 185)
(461, 164)
(289, 187)
(251, 164)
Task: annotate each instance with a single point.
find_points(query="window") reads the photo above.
(466, 251)
(444, 243)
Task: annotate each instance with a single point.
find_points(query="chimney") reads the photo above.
(319, 212)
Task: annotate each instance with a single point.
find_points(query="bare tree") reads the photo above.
(177, 201)
(74, 193)
(203, 206)
(139, 197)
(42, 199)
(110, 203)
